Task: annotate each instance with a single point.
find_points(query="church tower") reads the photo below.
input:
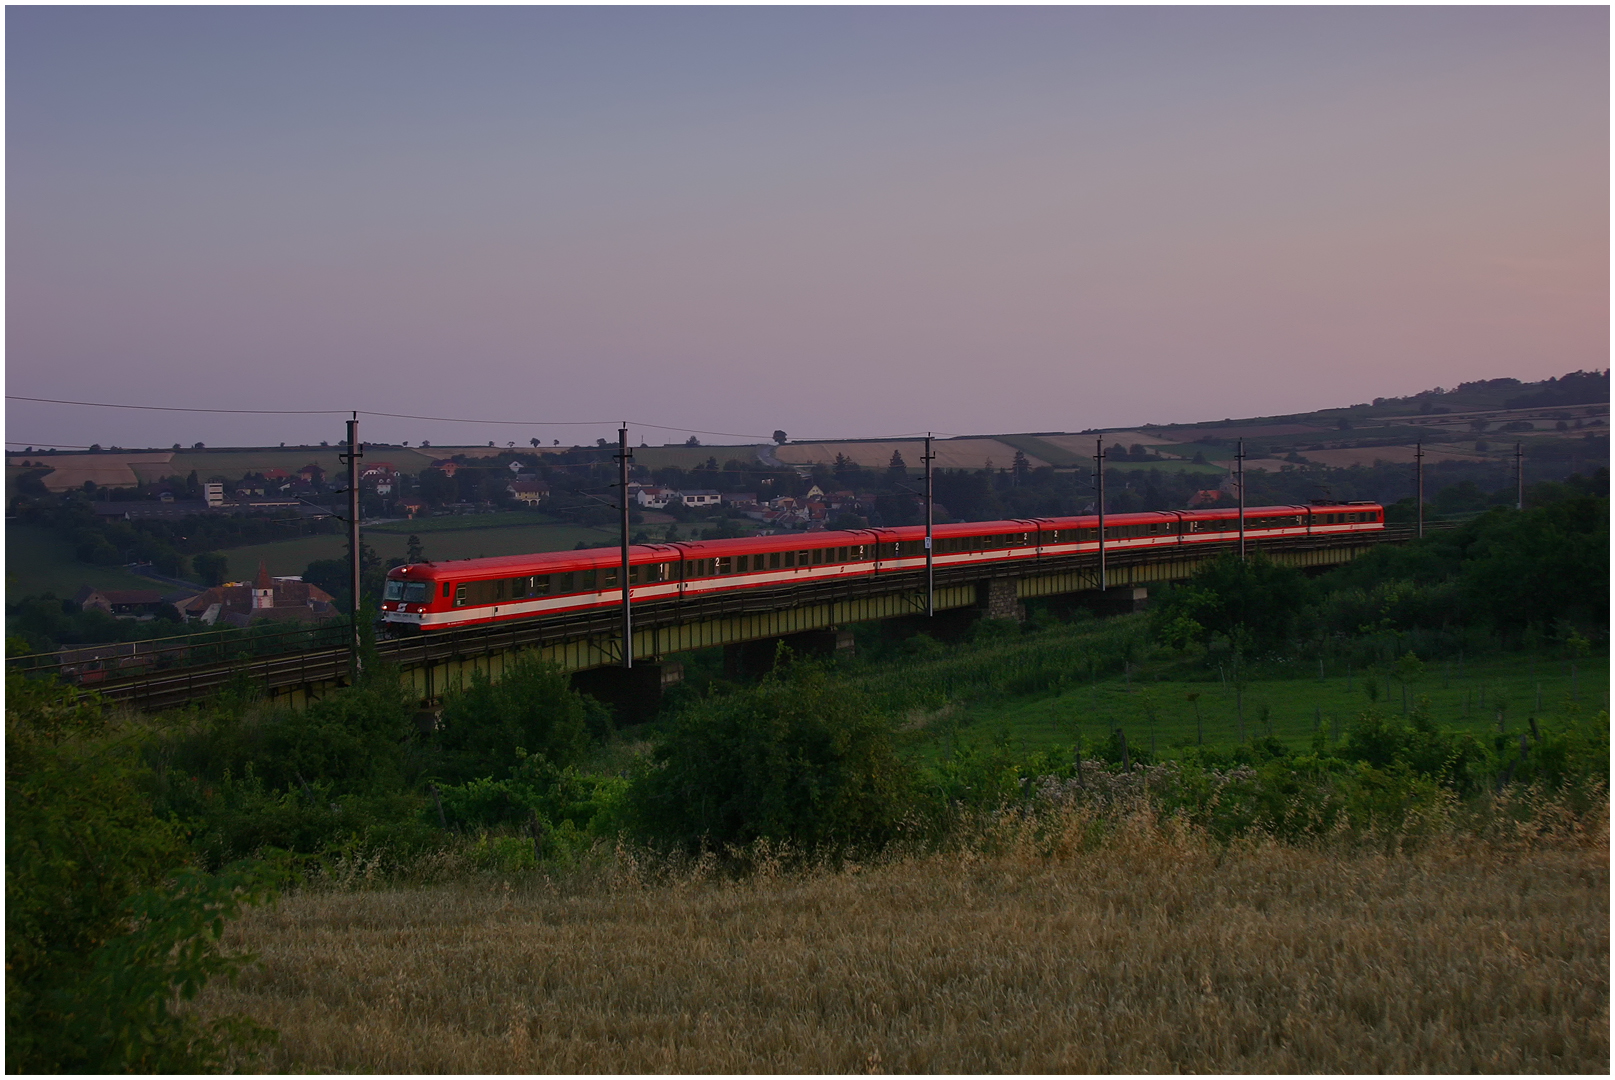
(263, 590)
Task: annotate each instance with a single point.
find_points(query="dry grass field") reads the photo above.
(1153, 951)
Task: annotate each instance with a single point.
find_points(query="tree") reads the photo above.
(1020, 466)
(105, 925)
(1253, 602)
(212, 567)
(802, 757)
(531, 710)
(779, 437)
(535, 443)
(437, 487)
(413, 552)
(692, 441)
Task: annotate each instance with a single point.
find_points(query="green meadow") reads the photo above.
(1061, 682)
(286, 557)
(1157, 708)
(38, 562)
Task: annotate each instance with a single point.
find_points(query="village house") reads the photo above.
(282, 599)
(699, 497)
(530, 492)
(652, 498)
(120, 603)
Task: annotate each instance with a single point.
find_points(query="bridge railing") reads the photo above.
(166, 670)
(88, 664)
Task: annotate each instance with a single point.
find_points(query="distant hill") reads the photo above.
(1474, 421)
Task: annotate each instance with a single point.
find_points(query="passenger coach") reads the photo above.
(463, 592)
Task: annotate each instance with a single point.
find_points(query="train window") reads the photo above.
(726, 566)
(801, 558)
(818, 556)
(541, 585)
(610, 576)
(773, 560)
(417, 592)
(394, 590)
(588, 580)
(740, 563)
(841, 554)
(790, 558)
(446, 588)
(473, 593)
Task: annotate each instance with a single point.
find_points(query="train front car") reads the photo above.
(407, 600)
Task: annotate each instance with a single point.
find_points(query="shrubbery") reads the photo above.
(799, 757)
(105, 924)
(531, 709)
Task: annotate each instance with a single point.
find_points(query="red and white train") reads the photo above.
(467, 592)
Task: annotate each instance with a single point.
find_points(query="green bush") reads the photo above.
(105, 925)
(535, 793)
(532, 708)
(800, 757)
(503, 854)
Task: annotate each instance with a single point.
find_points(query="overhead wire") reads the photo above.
(439, 419)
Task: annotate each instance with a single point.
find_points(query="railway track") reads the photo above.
(165, 678)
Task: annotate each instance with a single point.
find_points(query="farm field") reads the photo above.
(502, 519)
(234, 463)
(1168, 466)
(293, 556)
(38, 562)
(1150, 951)
(961, 453)
(689, 457)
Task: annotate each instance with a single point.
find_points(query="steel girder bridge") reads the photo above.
(431, 663)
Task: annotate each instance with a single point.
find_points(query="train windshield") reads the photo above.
(411, 592)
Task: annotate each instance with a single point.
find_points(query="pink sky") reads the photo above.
(840, 222)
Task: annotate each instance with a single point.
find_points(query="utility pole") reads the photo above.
(353, 455)
(1239, 459)
(624, 456)
(1099, 461)
(930, 544)
(1519, 477)
(1418, 473)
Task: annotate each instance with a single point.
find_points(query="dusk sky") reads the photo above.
(841, 222)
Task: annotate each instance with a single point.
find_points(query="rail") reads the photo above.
(164, 672)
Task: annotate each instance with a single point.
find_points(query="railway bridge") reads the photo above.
(748, 624)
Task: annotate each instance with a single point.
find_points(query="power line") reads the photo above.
(438, 419)
(374, 412)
